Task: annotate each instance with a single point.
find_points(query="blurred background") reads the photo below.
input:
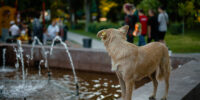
(87, 17)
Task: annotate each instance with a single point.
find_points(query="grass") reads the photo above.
(187, 43)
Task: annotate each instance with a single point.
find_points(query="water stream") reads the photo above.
(20, 50)
(57, 38)
(4, 58)
(39, 67)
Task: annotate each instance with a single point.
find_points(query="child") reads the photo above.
(143, 20)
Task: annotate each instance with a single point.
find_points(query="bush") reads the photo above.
(95, 27)
(176, 28)
(79, 25)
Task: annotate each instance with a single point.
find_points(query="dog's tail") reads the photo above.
(164, 69)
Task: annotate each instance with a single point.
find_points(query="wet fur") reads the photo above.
(132, 63)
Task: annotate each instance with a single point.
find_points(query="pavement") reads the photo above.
(96, 44)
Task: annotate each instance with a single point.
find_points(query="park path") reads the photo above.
(96, 44)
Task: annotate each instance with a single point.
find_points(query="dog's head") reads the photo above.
(111, 33)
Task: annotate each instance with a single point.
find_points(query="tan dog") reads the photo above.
(132, 63)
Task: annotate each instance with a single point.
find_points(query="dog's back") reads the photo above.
(151, 58)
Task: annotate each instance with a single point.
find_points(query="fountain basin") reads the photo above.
(84, 59)
(95, 77)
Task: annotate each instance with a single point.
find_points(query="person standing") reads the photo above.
(14, 30)
(163, 21)
(143, 20)
(130, 19)
(37, 27)
(152, 27)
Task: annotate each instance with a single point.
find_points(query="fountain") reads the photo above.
(28, 59)
(44, 52)
(70, 58)
(33, 45)
(39, 67)
(4, 58)
(4, 67)
(38, 86)
(17, 58)
(20, 50)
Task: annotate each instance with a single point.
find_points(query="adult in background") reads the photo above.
(143, 20)
(62, 30)
(14, 30)
(37, 27)
(152, 27)
(52, 31)
(130, 19)
(162, 20)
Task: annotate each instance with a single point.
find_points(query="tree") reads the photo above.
(105, 6)
(187, 11)
(148, 4)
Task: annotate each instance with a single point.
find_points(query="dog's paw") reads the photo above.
(152, 98)
(164, 99)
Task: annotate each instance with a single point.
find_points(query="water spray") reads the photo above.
(70, 58)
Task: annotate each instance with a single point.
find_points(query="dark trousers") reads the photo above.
(130, 38)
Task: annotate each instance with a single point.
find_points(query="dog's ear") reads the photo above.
(124, 29)
(102, 34)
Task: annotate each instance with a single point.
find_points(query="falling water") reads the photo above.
(70, 58)
(4, 67)
(17, 58)
(28, 59)
(33, 45)
(20, 50)
(4, 58)
(43, 50)
(39, 67)
(46, 60)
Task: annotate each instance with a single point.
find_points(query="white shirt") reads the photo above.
(14, 29)
(52, 30)
(163, 20)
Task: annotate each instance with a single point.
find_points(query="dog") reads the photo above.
(132, 63)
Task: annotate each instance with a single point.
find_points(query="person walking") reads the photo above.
(131, 20)
(163, 21)
(143, 20)
(152, 27)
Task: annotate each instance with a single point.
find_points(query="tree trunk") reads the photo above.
(183, 26)
(87, 14)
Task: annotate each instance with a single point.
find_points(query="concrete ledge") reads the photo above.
(83, 58)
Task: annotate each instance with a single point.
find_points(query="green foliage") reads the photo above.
(80, 25)
(95, 27)
(148, 4)
(187, 11)
(55, 8)
(105, 6)
(176, 28)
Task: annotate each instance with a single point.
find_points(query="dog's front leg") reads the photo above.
(130, 85)
(122, 85)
